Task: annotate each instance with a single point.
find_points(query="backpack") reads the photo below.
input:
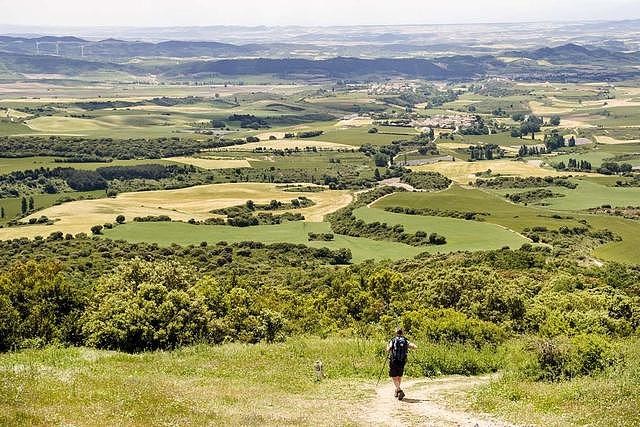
(399, 349)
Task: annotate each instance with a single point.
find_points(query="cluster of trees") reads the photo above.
(534, 150)
(426, 180)
(468, 215)
(485, 152)
(323, 237)
(532, 195)
(263, 218)
(529, 125)
(106, 149)
(250, 206)
(478, 300)
(525, 182)
(249, 121)
(574, 165)
(477, 127)
(554, 140)
(344, 221)
(309, 133)
(613, 168)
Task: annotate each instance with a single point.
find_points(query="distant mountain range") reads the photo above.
(203, 59)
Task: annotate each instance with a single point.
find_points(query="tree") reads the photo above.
(380, 159)
(376, 175)
(2, 212)
(120, 219)
(96, 229)
(23, 205)
(554, 121)
(31, 204)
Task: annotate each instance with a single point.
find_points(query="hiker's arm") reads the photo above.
(388, 347)
(412, 345)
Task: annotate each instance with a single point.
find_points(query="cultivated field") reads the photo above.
(464, 172)
(182, 204)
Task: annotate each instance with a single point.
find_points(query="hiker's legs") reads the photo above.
(396, 382)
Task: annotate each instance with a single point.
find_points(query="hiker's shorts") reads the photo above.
(396, 369)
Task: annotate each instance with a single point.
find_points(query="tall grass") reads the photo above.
(235, 384)
(605, 398)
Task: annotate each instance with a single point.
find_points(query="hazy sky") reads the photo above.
(304, 12)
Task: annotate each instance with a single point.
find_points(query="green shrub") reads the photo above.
(38, 306)
(562, 358)
(450, 326)
(146, 306)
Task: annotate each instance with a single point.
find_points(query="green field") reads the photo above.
(360, 136)
(591, 195)
(461, 234)
(456, 198)
(288, 232)
(8, 165)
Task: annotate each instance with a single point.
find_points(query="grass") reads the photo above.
(609, 399)
(182, 204)
(356, 136)
(8, 165)
(234, 384)
(463, 172)
(518, 217)
(230, 384)
(512, 216)
(289, 232)
(590, 195)
(12, 206)
(211, 163)
(462, 235)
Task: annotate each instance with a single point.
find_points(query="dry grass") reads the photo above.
(602, 139)
(211, 162)
(463, 172)
(183, 204)
(292, 144)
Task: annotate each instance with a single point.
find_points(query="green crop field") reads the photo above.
(288, 232)
(461, 234)
(591, 195)
(456, 198)
(8, 165)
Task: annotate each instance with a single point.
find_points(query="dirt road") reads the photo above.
(427, 404)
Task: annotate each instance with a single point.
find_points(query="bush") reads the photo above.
(145, 306)
(38, 306)
(564, 358)
(450, 326)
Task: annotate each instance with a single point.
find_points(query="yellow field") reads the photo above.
(211, 162)
(463, 172)
(182, 204)
(282, 144)
(609, 140)
(355, 122)
(539, 109)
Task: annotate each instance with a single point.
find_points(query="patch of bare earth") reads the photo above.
(428, 402)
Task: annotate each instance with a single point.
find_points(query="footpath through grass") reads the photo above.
(231, 384)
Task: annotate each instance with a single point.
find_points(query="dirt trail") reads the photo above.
(426, 404)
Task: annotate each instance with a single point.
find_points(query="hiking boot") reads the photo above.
(400, 395)
(395, 394)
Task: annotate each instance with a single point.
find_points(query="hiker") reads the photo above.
(398, 348)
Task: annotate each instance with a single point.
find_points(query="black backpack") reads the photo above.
(399, 349)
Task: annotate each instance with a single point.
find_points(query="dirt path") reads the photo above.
(426, 404)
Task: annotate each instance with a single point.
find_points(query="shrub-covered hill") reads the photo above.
(134, 297)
